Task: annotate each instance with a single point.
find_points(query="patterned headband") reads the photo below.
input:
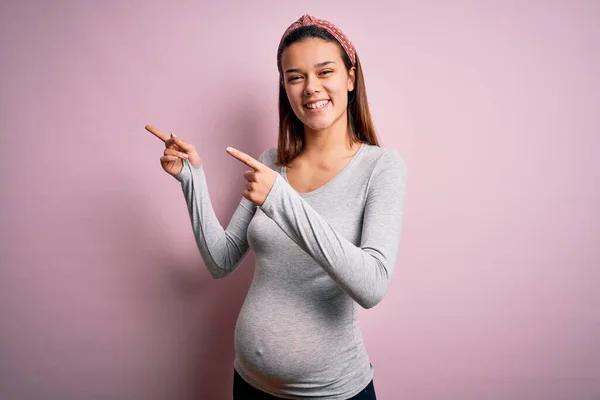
(308, 20)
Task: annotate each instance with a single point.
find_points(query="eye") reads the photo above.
(327, 72)
(293, 78)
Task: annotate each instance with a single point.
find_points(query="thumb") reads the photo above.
(170, 143)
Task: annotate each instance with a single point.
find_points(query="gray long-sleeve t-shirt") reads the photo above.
(319, 256)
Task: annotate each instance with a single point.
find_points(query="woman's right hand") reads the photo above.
(176, 150)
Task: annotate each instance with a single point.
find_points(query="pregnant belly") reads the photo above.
(286, 341)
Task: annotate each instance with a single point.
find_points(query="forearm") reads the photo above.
(362, 272)
(222, 250)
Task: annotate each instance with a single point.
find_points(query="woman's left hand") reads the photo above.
(260, 179)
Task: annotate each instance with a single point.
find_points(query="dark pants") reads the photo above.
(242, 390)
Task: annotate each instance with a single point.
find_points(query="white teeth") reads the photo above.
(318, 104)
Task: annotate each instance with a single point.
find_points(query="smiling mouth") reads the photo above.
(317, 105)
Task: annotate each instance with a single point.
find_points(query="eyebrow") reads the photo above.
(319, 65)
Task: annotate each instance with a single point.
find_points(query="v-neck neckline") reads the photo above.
(329, 182)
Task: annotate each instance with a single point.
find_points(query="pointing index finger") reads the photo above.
(157, 132)
(245, 158)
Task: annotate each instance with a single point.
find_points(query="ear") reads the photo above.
(351, 78)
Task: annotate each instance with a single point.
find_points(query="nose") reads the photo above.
(312, 85)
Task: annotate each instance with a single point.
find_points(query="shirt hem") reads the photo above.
(252, 383)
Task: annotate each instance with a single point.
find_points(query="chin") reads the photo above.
(318, 125)
(317, 122)
(324, 122)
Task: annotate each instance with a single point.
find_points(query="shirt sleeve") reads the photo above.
(364, 272)
(221, 249)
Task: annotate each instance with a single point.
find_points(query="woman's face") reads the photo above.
(316, 82)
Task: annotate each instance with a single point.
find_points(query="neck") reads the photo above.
(330, 141)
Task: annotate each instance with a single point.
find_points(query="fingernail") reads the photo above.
(228, 149)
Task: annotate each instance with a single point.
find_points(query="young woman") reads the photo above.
(322, 212)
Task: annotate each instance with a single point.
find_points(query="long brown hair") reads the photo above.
(291, 130)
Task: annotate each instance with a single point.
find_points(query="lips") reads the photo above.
(317, 105)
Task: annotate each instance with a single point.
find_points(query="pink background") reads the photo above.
(494, 105)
